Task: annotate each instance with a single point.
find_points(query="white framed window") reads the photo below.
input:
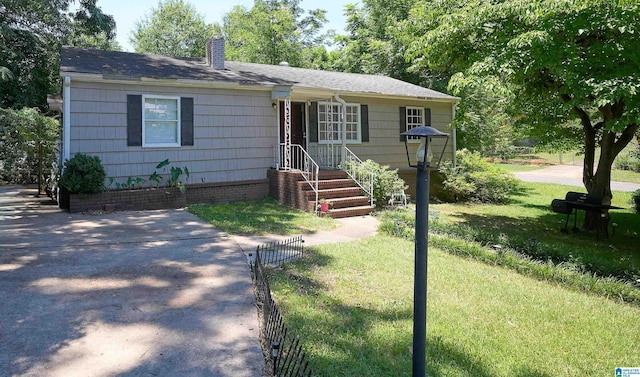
(415, 118)
(329, 129)
(160, 121)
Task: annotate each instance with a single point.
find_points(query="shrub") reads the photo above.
(628, 161)
(635, 200)
(27, 142)
(386, 181)
(476, 180)
(83, 174)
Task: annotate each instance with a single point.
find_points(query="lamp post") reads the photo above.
(423, 164)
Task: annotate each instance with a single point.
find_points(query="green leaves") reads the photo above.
(174, 28)
(274, 31)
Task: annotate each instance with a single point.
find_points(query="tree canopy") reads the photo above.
(564, 63)
(273, 31)
(31, 33)
(173, 28)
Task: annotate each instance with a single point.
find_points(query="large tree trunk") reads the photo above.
(598, 182)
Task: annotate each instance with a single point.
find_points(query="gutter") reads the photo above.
(454, 106)
(343, 115)
(66, 120)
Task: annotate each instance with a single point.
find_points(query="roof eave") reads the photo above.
(118, 79)
(311, 91)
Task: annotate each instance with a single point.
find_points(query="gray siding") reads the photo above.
(235, 132)
(384, 144)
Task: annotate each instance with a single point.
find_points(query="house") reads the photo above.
(236, 125)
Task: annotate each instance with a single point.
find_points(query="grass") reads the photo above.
(529, 216)
(625, 176)
(260, 218)
(518, 167)
(543, 309)
(351, 304)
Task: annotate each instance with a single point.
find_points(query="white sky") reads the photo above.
(128, 12)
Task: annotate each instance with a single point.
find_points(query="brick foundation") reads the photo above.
(169, 197)
(283, 186)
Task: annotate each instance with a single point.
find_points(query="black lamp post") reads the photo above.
(424, 166)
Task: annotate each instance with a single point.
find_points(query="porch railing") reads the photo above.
(357, 170)
(301, 161)
(328, 155)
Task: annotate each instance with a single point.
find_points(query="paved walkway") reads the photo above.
(349, 229)
(570, 175)
(150, 293)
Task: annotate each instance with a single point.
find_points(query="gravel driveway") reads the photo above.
(152, 293)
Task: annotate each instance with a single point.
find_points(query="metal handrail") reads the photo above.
(301, 161)
(363, 176)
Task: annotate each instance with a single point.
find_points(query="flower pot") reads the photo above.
(324, 207)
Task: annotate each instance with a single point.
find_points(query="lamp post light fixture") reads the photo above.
(423, 163)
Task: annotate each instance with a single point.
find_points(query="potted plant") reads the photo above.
(324, 206)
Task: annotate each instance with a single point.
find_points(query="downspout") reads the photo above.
(66, 120)
(454, 106)
(343, 115)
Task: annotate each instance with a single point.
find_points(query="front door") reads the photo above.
(298, 135)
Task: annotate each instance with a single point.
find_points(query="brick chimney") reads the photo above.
(215, 52)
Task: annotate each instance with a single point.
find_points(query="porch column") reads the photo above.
(287, 133)
(343, 130)
(283, 150)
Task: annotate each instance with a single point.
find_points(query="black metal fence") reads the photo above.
(276, 253)
(289, 360)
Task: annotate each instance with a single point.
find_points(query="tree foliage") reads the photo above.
(173, 28)
(273, 31)
(26, 136)
(374, 43)
(563, 61)
(31, 33)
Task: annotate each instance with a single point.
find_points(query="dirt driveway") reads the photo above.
(154, 293)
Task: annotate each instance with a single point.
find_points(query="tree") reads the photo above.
(563, 61)
(373, 43)
(273, 31)
(31, 33)
(174, 28)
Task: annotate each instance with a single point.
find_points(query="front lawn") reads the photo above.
(351, 305)
(260, 218)
(528, 218)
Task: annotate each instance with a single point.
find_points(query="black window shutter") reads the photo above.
(403, 122)
(364, 122)
(427, 116)
(186, 121)
(134, 120)
(313, 122)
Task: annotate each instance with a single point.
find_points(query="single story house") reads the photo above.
(230, 123)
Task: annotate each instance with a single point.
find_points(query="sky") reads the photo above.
(128, 12)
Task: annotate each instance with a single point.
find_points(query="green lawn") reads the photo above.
(625, 176)
(520, 167)
(259, 218)
(549, 314)
(529, 216)
(351, 305)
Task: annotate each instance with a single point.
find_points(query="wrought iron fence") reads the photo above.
(276, 253)
(289, 360)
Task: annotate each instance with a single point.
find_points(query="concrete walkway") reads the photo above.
(150, 293)
(349, 229)
(570, 175)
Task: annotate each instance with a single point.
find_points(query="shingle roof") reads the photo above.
(132, 66)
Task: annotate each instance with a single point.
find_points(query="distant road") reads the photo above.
(570, 175)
